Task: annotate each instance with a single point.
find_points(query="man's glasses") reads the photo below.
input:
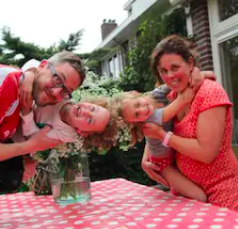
(58, 83)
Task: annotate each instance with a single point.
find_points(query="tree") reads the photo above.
(227, 8)
(13, 46)
(72, 43)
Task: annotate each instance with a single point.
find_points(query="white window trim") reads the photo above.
(220, 32)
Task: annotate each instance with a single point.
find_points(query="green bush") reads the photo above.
(117, 163)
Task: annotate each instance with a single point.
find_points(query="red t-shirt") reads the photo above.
(9, 101)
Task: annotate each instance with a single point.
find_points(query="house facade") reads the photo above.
(211, 24)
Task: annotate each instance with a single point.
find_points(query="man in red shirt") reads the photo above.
(48, 88)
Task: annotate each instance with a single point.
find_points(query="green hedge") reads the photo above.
(119, 164)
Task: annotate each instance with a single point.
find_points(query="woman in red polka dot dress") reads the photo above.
(202, 131)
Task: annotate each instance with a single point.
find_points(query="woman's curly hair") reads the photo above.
(107, 139)
(135, 128)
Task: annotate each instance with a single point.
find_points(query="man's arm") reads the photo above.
(37, 142)
(12, 150)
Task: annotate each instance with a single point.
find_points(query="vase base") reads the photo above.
(77, 191)
(66, 201)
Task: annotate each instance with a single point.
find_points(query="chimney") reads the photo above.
(107, 27)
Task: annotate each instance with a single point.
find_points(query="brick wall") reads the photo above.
(199, 13)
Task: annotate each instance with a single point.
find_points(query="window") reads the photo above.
(229, 61)
(129, 11)
(111, 68)
(223, 20)
(114, 67)
(138, 34)
(227, 8)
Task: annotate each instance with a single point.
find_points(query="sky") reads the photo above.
(44, 22)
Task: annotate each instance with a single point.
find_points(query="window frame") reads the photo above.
(220, 31)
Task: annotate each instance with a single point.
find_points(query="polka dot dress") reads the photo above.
(220, 178)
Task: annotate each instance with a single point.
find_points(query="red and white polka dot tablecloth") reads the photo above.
(115, 204)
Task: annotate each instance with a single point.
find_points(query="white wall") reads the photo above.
(139, 6)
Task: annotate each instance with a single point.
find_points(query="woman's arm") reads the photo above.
(210, 130)
(209, 134)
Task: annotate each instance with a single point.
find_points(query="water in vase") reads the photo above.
(76, 191)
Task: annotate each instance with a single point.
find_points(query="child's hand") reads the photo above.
(209, 75)
(186, 97)
(26, 106)
(196, 79)
(26, 88)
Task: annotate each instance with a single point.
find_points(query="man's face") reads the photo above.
(44, 90)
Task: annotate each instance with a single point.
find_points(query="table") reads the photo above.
(116, 204)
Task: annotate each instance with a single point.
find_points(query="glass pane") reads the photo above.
(229, 60)
(227, 8)
(117, 70)
(111, 68)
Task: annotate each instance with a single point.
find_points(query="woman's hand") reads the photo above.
(151, 130)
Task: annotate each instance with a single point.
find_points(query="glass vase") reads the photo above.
(70, 178)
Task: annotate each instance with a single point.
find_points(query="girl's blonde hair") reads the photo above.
(119, 102)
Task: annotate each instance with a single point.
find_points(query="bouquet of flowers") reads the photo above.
(63, 159)
(59, 168)
(69, 172)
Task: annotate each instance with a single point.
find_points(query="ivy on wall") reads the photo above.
(137, 75)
